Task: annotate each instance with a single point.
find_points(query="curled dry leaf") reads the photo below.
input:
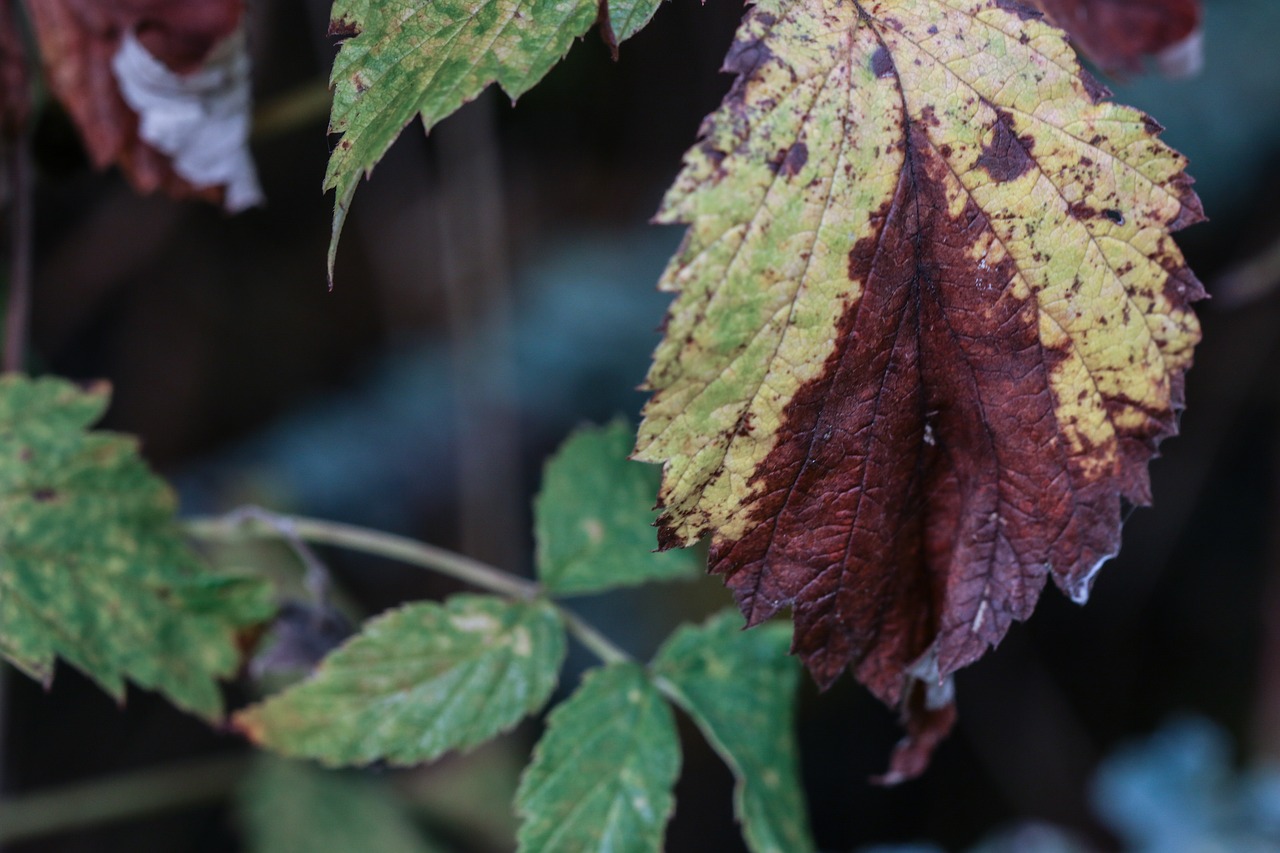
(1120, 34)
(930, 329)
(159, 88)
(15, 82)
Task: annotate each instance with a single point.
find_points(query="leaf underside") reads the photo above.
(930, 329)
(93, 567)
(417, 682)
(601, 778)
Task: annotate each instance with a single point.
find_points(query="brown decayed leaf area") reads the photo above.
(1119, 34)
(78, 39)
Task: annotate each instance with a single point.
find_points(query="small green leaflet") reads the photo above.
(429, 57)
(739, 687)
(601, 778)
(628, 17)
(93, 567)
(417, 682)
(292, 807)
(594, 519)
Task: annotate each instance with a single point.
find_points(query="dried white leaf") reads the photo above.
(200, 120)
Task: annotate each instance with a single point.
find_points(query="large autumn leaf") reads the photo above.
(930, 329)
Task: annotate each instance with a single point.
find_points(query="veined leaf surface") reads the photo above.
(406, 58)
(593, 516)
(930, 329)
(740, 688)
(417, 682)
(601, 778)
(93, 567)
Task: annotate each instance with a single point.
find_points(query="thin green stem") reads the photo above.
(595, 642)
(119, 797)
(257, 522)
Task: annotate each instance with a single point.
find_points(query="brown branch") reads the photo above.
(21, 240)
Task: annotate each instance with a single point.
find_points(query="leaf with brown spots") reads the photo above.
(930, 329)
(92, 49)
(1120, 34)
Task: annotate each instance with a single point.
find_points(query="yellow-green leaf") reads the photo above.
(417, 682)
(740, 688)
(601, 778)
(593, 519)
(406, 58)
(93, 567)
(930, 329)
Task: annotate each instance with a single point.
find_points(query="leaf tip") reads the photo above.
(248, 723)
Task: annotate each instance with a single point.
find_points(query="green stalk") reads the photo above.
(260, 523)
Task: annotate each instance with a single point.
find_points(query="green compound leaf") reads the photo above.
(602, 776)
(292, 807)
(93, 568)
(429, 57)
(417, 682)
(593, 518)
(739, 687)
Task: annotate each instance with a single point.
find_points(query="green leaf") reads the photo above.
(415, 57)
(292, 807)
(418, 682)
(428, 58)
(739, 687)
(593, 519)
(628, 17)
(601, 778)
(93, 567)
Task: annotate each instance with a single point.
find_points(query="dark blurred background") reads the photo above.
(494, 288)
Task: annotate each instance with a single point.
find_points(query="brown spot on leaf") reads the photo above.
(881, 62)
(797, 155)
(343, 28)
(1006, 157)
(1022, 10)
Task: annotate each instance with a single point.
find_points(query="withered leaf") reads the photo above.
(86, 45)
(1120, 34)
(930, 329)
(15, 82)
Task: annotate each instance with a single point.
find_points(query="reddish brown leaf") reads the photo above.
(930, 330)
(78, 41)
(1120, 34)
(15, 82)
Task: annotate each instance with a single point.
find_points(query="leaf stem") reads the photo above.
(590, 637)
(119, 797)
(258, 522)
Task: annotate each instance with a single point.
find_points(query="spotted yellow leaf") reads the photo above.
(930, 328)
